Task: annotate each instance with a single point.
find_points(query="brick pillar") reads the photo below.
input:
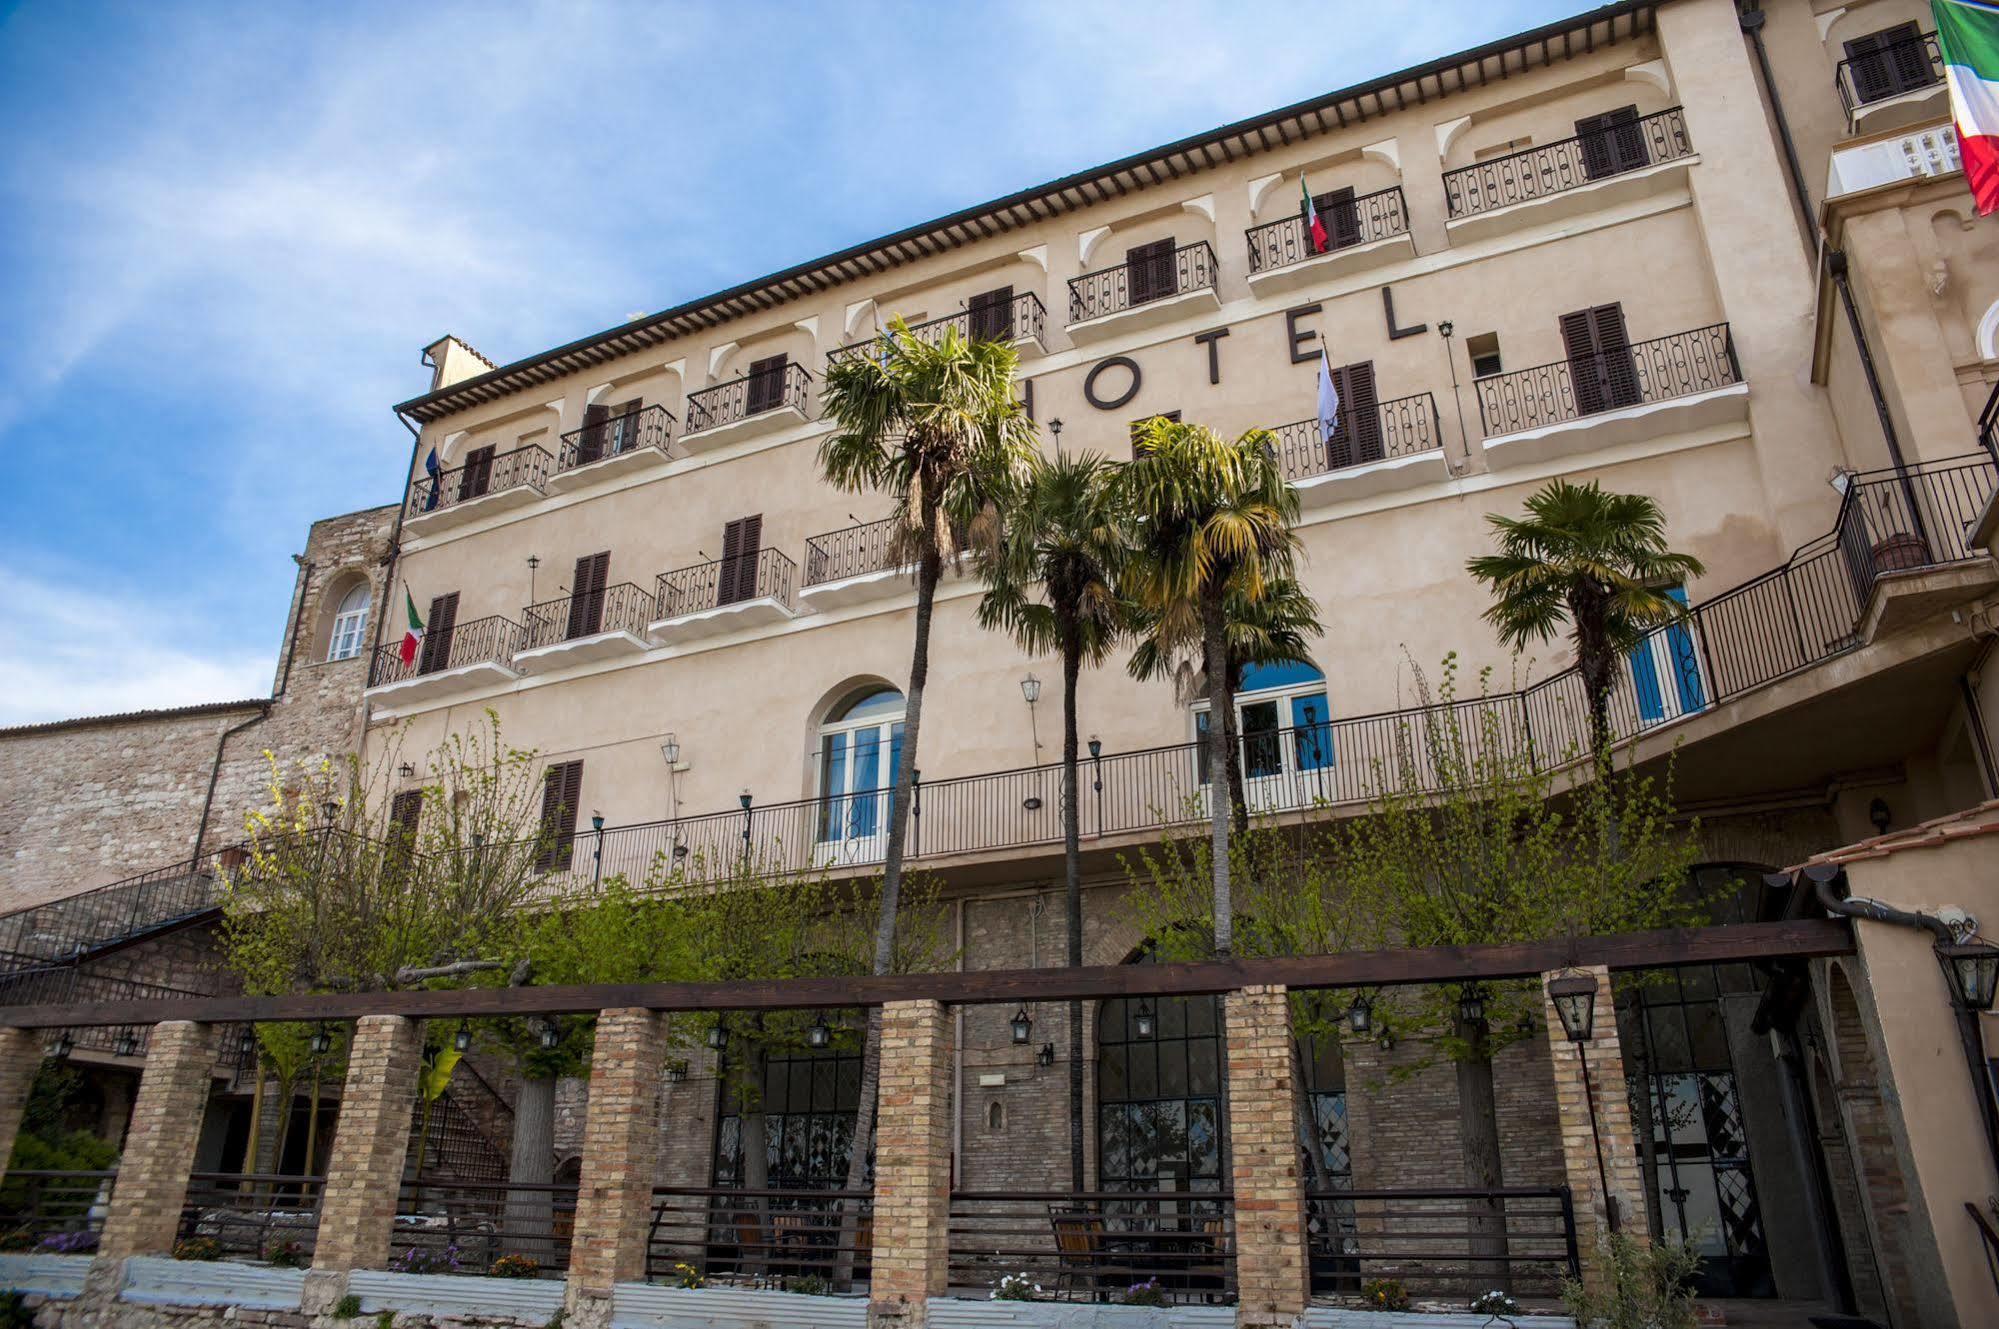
(151, 1186)
(912, 1163)
(1613, 1129)
(614, 1199)
(371, 1143)
(20, 1059)
(1272, 1285)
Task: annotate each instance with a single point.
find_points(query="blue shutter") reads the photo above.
(1312, 731)
(1686, 664)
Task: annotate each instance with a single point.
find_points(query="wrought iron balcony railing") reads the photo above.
(869, 547)
(527, 465)
(764, 575)
(1022, 317)
(752, 394)
(494, 640)
(138, 906)
(1898, 67)
(1131, 284)
(1357, 221)
(1643, 372)
(620, 608)
(1533, 173)
(1399, 428)
(649, 427)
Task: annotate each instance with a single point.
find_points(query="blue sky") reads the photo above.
(226, 231)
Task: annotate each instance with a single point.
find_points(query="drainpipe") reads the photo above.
(1836, 264)
(305, 570)
(395, 546)
(215, 774)
(1751, 17)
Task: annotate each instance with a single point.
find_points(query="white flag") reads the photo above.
(1329, 399)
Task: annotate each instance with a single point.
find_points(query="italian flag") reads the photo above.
(1313, 223)
(413, 635)
(1968, 37)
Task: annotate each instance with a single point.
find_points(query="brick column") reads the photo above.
(912, 1163)
(1270, 1262)
(614, 1199)
(20, 1059)
(151, 1186)
(371, 1143)
(1613, 1130)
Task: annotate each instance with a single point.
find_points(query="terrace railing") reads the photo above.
(272, 1217)
(527, 465)
(463, 1227)
(1443, 1243)
(648, 427)
(1888, 71)
(480, 641)
(164, 898)
(1570, 163)
(1677, 365)
(1129, 285)
(1024, 316)
(620, 608)
(766, 574)
(1400, 428)
(1357, 221)
(54, 1213)
(734, 1234)
(756, 393)
(1094, 1246)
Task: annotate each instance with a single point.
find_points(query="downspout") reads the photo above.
(215, 774)
(1836, 264)
(1751, 18)
(395, 546)
(305, 570)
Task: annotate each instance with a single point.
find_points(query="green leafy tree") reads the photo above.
(1594, 561)
(1210, 519)
(1052, 581)
(935, 426)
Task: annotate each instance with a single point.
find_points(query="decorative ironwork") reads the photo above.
(869, 547)
(756, 393)
(764, 575)
(1533, 173)
(649, 427)
(480, 476)
(481, 641)
(620, 608)
(1407, 425)
(1095, 1245)
(1888, 71)
(1130, 284)
(1356, 221)
(1024, 318)
(1657, 370)
(730, 1234)
(1430, 1239)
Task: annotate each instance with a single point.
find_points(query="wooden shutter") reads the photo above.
(1149, 271)
(1893, 60)
(1600, 364)
(477, 476)
(590, 443)
(624, 435)
(405, 810)
(561, 795)
(586, 594)
(1612, 143)
(992, 315)
(737, 577)
(438, 625)
(1357, 438)
(1341, 216)
(765, 388)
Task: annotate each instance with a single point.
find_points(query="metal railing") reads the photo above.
(53, 1213)
(448, 1226)
(1908, 65)
(1676, 365)
(1452, 1243)
(494, 639)
(70, 983)
(766, 574)
(1096, 1245)
(649, 427)
(1022, 318)
(1129, 285)
(752, 394)
(1552, 168)
(271, 1217)
(1988, 424)
(1357, 221)
(67, 929)
(734, 1234)
(1404, 426)
(869, 547)
(620, 608)
(527, 465)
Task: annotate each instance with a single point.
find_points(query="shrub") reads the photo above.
(1650, 1287)
(68, 1243)
(347, 1307)
(426, 1260)
(1385, 1294)
(197, 1248)
(287, 1255)
(514, 1266)
(686, 1275)
(808, 1285)
(1016, 1287)
(1147, 1293)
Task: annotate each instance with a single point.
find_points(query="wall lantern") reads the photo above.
(1143, 1023)
(1022, 1027)
(1360, 1015)
(321, 1042)
(717, 1037)
(1047, 1054)
(128, 1044)
(550, 1035)
(1386, 1042)
(407, 770)
(331, 809)
(671, 750)
(462, 1040)
(1030, 688)
(60, 1046)
(1574, 996)
(819, 1035)
(676, 1071)
(1971, 968)
(1471, 1005)
(247, 1044)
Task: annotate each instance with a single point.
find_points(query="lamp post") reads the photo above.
(1574, 995)
(1446, 327)
(1030, 688)
(1097, 777)
(597, 826)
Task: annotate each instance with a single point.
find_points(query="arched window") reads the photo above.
(349, 621)
(859, 745)
(1287, 736)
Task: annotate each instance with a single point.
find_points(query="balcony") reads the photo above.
(1365, 232)
(1671, 384)
(449, 661)
(1143, 294)
(1641, 157)
(756, 403)
(1023, 322)
(727, 595)
(854, 565)
(1894, 85)
(1403, 446)
(622, 445)
(1893, 159)
(484, 485)
(583, 629)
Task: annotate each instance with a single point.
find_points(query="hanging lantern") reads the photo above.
(1023, 1028)
(128, 1044)
(462, 1040)
(1143, 1023)
(676, 1071)
(819, 1035)
(1471, 1005)
(1046, 1056)
(1971, 968)
(1386, 1040)
(717, 1036)
(550, 1035)
(1574, 996)
(60, 1046)
(1360, 1015)
(247, 1044)
(321, 1042)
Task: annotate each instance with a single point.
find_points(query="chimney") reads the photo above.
(453, 361)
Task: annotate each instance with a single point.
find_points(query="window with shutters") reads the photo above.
(350, 621)
(1602, 372)
(1340, 216)
(1149, 271)
(1484, 352)
(736, 578)
(586, 595)
(561, 795)
(1356, 436)
(1143, 421)
(623, 434)
(590, 443)
(435, 652)
(992, 315)
(764, 390)
(1888, 63)
(405, 811)
(1612, 143)
(477, 476)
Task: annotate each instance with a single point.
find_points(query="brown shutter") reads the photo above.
(992, 315)
(561, 795)
(736, 579)
(1149, 271)
(1612, 143)
(765, 389)
(437, 629)
(477, 476)
(590, 444)
(625, 434)
(1341, 216)
(586, 594)
(1599, 354)
(1893, 60)
(1357, 435)
(405, 811)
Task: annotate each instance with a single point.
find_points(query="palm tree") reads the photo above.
(1596, 561)
(1063, 530)
(936, 426)
(1210, 519)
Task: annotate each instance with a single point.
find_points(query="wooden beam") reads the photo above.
(1794, 939)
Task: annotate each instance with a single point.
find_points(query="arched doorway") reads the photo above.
(860, 742)
(1286, 728)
